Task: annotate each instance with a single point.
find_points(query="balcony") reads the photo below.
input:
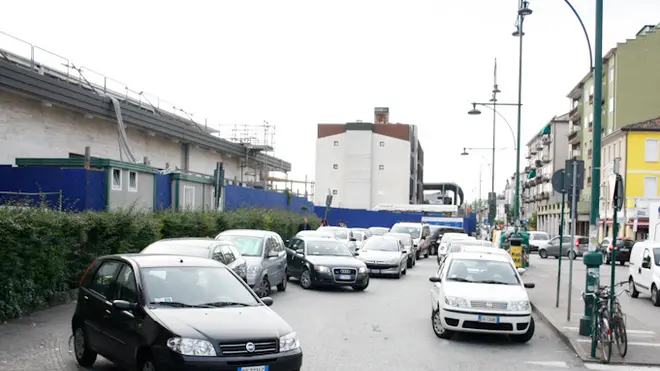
(575, 136)
(532, 151)
(538, 163)
(546, 159)
(539, 145)
(546, 139)
(574, 115)
(528, 156)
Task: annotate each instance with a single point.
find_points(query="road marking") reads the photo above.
(602, 367)
(558, 364)
(637, 344)
(634, 332)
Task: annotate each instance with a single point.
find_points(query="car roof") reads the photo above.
(397, 234)
(468, 255)
(246, 232)
(165, 260)
(320, 239)
(485, 249)
(409, 224)
(378, 228)
(191, 241)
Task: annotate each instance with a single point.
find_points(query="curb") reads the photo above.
(578, 351)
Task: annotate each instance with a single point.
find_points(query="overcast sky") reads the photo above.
(299, 63)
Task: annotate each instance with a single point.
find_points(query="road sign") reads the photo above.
(619, 196)
(579, 180)
(559, 181)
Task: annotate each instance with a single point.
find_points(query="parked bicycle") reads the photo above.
(609, 329)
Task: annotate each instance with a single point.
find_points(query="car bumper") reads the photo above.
(330, 279)
(287, 361)
(469, 321)
(380, 269)
(621, 256)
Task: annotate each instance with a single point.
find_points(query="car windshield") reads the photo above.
(541, 236)
(176, 249)
(656, 254)
(378, 231)
(327, 248)
(380, 244)
(246, 245)
(196, 287)
(414, 232)
(483, 271)
(403, 237)
(340, 233)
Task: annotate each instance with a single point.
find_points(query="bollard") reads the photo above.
(593, 260)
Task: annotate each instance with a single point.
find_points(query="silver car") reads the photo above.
(222, 251)
(570, 248)
(265, 255)
(384, 255)
(407, 242)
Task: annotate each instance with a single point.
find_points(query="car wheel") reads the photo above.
(409, 262)
(527, 336)
(84, 356)
(438, 328)
(655, 295)
(631, 287)
(398, 274)
(306, 279)
(622, 262)
(405, 270)
(608, 260)
(146, 364)
(414, 261)
(543, 254)
(282, 285)
(264, 290)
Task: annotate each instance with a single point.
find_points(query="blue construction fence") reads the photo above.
(79, 189)
(356, 218)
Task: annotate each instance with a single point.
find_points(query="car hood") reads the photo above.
(477, 291)
(378, 255)
(335, 261)
(223, 324)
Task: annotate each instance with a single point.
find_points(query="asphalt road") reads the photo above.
(386, 327)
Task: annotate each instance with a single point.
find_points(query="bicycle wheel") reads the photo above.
(605, 339)
(620, 335)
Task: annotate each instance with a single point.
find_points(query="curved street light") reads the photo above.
(474, 111)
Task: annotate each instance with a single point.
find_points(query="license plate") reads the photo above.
(253, 368)
(374, 271)
(489, 319)
(345, 277)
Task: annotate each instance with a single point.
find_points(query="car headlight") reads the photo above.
(191, 347)
(289, 342)
(520, 305)
(453, 301)
(321, 268)
(253, 270)
(394, 260)
(241, 270)
(362, 270)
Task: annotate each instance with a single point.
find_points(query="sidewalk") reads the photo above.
(642, 324)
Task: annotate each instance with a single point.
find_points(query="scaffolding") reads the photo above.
(256, 139)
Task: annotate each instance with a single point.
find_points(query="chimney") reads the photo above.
(381, 115)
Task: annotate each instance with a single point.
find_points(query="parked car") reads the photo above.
(644, 271)
(223, 251)
(407, 242)
(623, 247)
(384, 256)
(359, 237)
(446, 239)
(265, 256)
(419, 233)
(325, 262)
(378, 231)
(475, 292)
(479, 247)
(437, 231)
(570, 248)
(343, 234)
(163, 312)
(365, 231)
(537, 239)
(320, 234)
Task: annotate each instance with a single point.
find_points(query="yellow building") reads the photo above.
(638, 148)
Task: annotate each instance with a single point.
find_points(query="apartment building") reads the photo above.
(506, 200)
(546, 153)
(365, 164)
(630, 95)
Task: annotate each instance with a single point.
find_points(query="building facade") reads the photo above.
(546, 153)
(630, 94)
(365, 164)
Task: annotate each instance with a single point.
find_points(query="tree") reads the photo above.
(532, 221)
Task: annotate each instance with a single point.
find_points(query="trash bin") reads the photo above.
(516, 251)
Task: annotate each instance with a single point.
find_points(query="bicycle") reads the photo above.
(607, 327)
(617, 320)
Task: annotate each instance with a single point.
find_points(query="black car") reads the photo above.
(318, 261)
(436, 235)
(623, 248)
(223, 251)
(171, 313)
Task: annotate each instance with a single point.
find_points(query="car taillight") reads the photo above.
(86, 271)
(611, 247)
(577, 244)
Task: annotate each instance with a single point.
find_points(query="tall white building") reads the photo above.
(363, 164)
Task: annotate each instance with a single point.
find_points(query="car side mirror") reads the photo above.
(529, 285)
(273, 254)
(435, 279)
(521, 271)
(267, 300)
(123, 305)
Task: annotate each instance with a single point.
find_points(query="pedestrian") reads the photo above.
(342, 224)
(304, 226)
(324, 223)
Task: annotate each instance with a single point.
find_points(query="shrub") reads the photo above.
(46, 251)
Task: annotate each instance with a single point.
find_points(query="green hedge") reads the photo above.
(44, 252)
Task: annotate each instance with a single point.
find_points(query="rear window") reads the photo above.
(625, 243)
(540, 237)
(583, 241)
(656, 256)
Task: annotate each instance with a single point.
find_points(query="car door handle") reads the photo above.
(85, 297)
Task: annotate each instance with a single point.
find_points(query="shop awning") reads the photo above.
(532, 174)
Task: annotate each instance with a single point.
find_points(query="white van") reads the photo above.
(644, 270)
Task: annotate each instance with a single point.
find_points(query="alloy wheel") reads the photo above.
(79, 343)
(148, 366)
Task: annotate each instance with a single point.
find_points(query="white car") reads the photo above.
(644, 270)
(471, 246)
(315, 234)
(343, 234)
(446, 239)
(477, 292)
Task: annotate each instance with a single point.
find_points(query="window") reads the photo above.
(610, 104)
(591, 90)
(334, 192)
(218, 255)
(650, 186)
(381, 167)
(104, 278)
(228, 254)
(336, 143)
(132, 181)
(116, 179)
(591, 117)
(188, 197)
(651, 150)
(612, 74)
(126, 286)
(335, 166)
(382, 144)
